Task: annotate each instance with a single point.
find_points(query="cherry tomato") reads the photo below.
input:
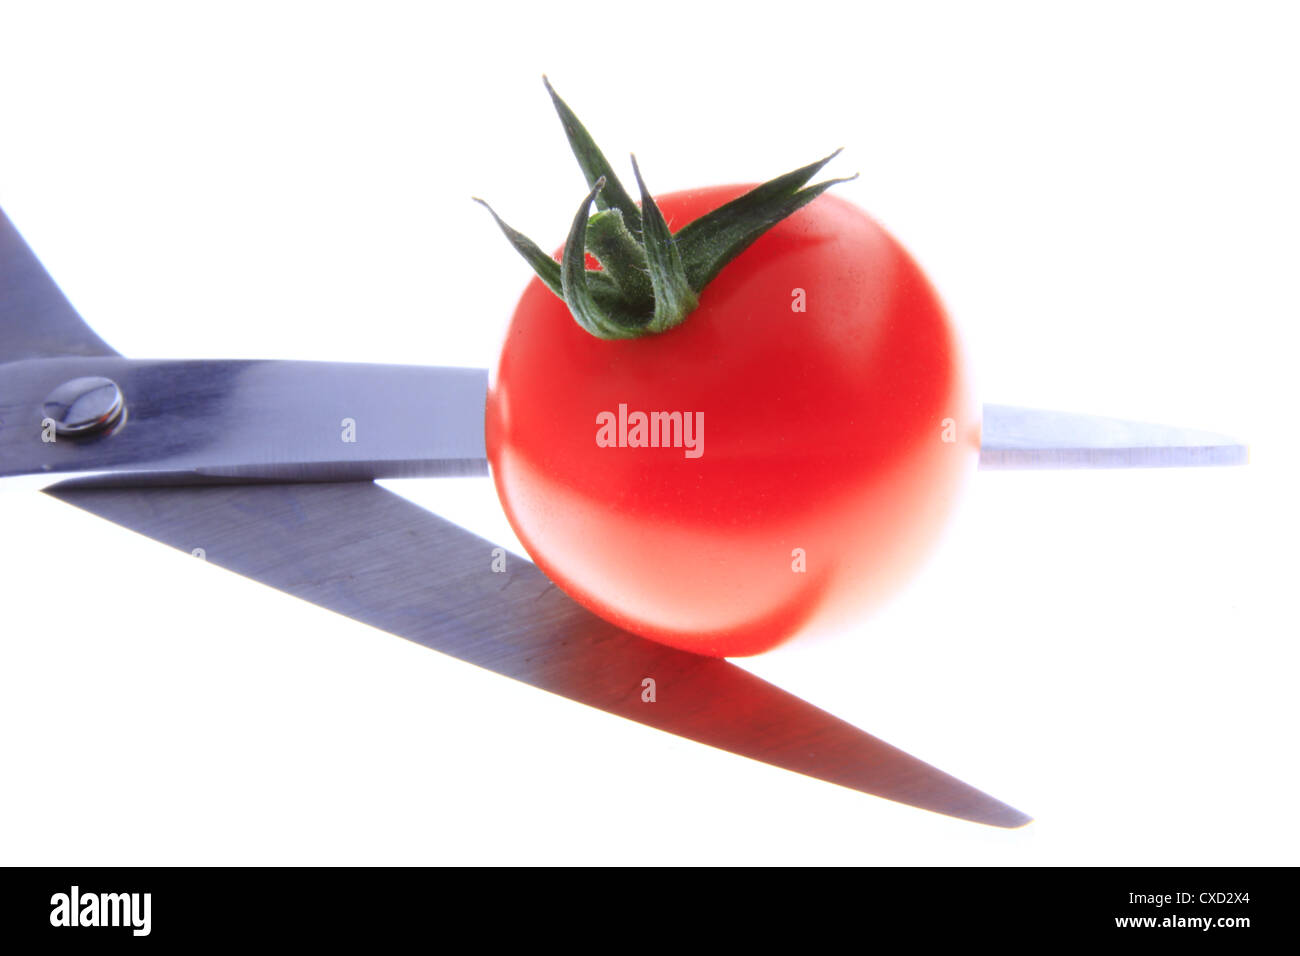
(836, 429)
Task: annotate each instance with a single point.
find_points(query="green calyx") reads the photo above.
(650, 279)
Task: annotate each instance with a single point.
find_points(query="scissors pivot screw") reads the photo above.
(84, 406)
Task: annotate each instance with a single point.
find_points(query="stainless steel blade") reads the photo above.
(206, 421)
(367, 553)
(190, 421)
(36, 318)
(1032, 438)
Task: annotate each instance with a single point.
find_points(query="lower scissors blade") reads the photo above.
(365, 552)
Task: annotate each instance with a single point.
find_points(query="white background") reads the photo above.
(1106, 196)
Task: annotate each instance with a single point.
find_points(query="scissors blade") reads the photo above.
(367, 553)
(1033, 438)
(36, 319)
(214, 420)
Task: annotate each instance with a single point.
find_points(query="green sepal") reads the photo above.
(674, 297)
(605, 320)
(621, 257)
(547, 269)
(595, 165)
(650, 279)
(604, 290)
(710, 242)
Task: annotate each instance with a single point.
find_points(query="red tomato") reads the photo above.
(840, 434)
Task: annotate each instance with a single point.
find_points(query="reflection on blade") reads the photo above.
(367, 553)
(1031, 438)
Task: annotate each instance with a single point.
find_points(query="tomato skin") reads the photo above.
(824, 430)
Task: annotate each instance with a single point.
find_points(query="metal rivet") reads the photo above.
(84, 406)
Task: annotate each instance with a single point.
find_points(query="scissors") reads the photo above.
(251, 458)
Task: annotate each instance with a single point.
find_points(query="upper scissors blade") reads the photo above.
(1033, 438)
(186, 421)
(36, 318)
(219, 420)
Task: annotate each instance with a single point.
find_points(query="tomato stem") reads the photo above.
(621, 256)
(650, 279)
